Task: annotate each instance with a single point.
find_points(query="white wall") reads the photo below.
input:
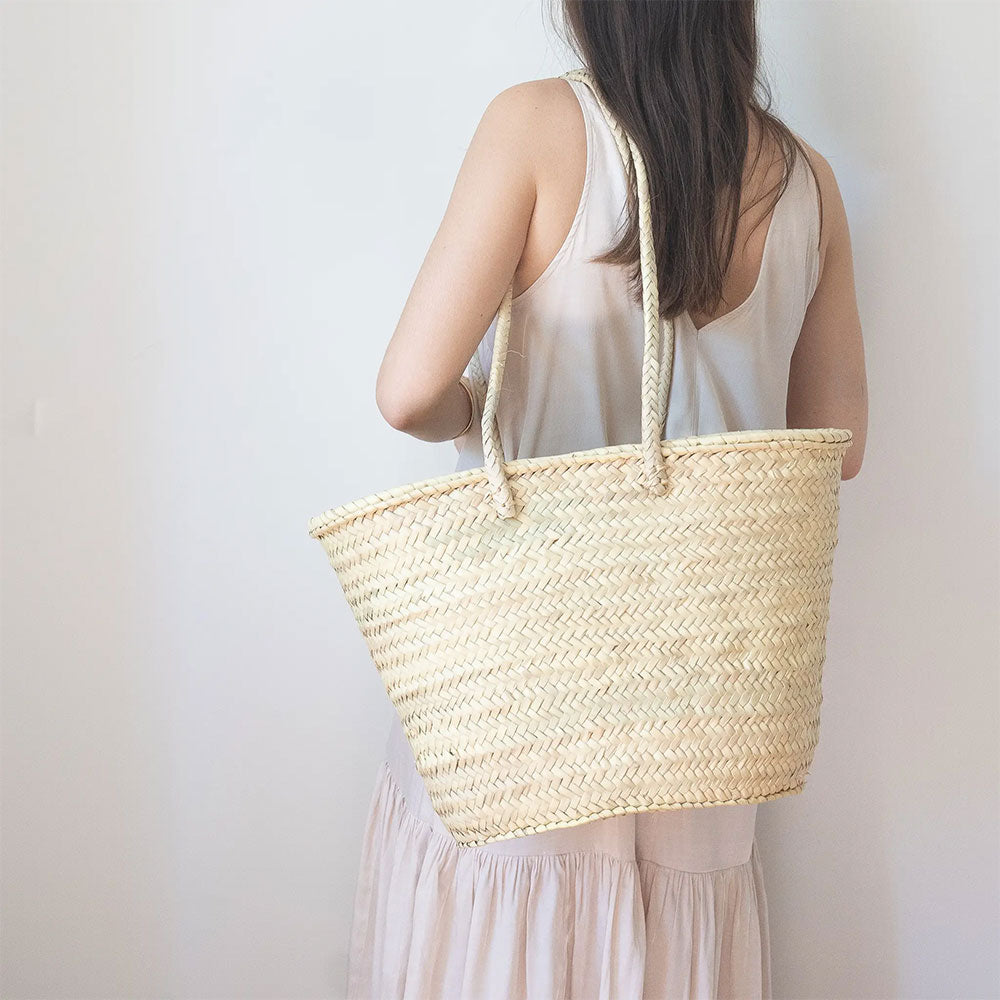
(883, 877)
(211, 216)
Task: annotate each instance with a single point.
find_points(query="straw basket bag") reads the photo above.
(619, 630)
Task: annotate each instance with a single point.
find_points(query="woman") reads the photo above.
(755, 269)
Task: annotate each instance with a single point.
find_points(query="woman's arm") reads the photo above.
(827, 383)
(465, 274)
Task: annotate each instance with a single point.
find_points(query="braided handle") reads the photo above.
(656, 370)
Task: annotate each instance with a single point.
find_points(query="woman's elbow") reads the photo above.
(855, 456)
(397, 411)
(858, 423)
(400, 406)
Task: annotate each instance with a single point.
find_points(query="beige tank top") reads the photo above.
(575, 350)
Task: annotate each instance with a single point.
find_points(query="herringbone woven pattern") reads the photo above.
(611, 631)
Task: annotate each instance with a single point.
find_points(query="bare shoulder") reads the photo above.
(533, 101)
(541, 115)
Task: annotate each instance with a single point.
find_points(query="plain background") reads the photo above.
(211, 216)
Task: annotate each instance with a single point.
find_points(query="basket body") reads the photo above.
(608, 650)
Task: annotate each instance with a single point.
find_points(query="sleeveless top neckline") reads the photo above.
(572, 377)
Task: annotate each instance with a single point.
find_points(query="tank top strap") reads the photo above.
(789, 269)
(603, 203)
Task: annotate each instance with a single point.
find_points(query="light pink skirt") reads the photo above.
(664, 905)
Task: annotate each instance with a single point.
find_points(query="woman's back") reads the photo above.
(572, 375)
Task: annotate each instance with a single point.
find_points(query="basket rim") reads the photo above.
(748, 440)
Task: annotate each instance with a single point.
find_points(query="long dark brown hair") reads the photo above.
(682, 78)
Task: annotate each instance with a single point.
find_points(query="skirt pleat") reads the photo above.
(437, 921)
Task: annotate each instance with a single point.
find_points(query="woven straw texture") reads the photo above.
(611, 631)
